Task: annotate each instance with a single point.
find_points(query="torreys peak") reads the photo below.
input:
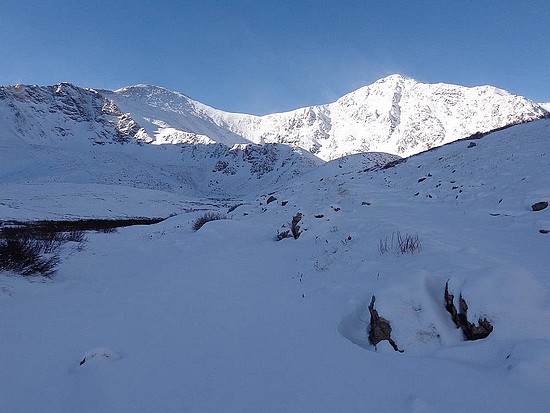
(395, 114)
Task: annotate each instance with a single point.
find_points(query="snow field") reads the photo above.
(228, 319)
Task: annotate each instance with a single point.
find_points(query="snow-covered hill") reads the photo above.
(395, 115)
(66, 134)
(163, 318)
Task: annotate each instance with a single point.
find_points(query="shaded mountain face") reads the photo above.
(63, 113)
(394, 115)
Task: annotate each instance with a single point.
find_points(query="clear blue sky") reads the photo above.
(260, 56)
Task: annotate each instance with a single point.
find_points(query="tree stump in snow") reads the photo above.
(469, 329)
(380, 328)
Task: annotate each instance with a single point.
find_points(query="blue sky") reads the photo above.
(267, 56)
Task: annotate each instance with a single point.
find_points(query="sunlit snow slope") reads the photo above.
(395, 115)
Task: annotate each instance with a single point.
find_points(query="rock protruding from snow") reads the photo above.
(99, 355)
(379, 328)
(460, 318)
(539, 206)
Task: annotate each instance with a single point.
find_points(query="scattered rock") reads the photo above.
(271, 199)
(284, 234)
(336, 209)
(283, 203)
(472, 144)
(99, 354)
(539, 206)
(470, 330)
(379, 328)
(295, 228)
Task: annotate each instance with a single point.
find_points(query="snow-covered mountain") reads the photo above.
(68, 134)
(395, 115)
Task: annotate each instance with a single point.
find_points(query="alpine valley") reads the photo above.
(387, 252)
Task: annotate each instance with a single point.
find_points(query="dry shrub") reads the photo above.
(400, 244)
(207, 217)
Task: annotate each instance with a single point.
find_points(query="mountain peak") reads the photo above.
(142, 89)
(396, 77)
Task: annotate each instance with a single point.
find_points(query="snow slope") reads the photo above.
(395, 115)
(161, 318)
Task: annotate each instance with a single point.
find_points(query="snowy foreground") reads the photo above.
(227, 319)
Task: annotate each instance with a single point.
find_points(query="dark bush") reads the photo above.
(203, 219)
(32, 248)
(23, 252)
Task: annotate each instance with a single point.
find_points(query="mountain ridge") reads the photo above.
(171, 142)
(395, 114)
